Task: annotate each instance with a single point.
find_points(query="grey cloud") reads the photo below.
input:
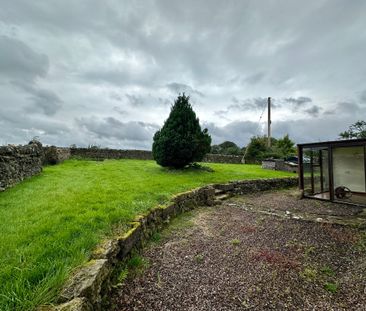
(112, 76)
(135, 100)
(19, 62)
(177, 88)
(164, 101)
(19, 127)
(222, 114)
(115, 96)
(21, 66)
(314, 129)
(112, 128)
(147, 101)
(363, 96)
(258, 103)
(254, 78)
(120, 111)
(313, 111)
(248, 104)
(298, 102)
(345, 108)
(301, 131)
(44, 101)
(238, 131)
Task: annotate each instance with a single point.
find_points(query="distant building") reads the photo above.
(334, 170)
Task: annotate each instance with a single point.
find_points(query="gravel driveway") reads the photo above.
(235, 257)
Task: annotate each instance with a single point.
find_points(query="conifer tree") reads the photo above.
(181, 141)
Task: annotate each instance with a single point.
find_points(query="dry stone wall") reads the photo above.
(19, 162)
(101, 154)
(223, 158)
(54, 155)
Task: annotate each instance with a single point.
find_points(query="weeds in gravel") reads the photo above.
(137, 265)
(331, 287)
(309, 274)
(235, 242)
(309, 250)
(199, 258)
(156, 237)
(181, 222)
(361, 243)
(328, 271)
(123, 275)
(260, 221)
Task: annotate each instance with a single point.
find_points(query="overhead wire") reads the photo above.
(257, 130)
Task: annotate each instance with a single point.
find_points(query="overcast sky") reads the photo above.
(107, 72)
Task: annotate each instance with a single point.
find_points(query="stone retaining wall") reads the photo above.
(86, 289)
(19, 162)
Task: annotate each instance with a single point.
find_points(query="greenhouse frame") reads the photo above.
(334, 170)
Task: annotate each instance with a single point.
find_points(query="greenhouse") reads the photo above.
(334, 170)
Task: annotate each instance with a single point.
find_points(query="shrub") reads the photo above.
(180, 141)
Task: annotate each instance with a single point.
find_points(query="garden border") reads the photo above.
(86, 288)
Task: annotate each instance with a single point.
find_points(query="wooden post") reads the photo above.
(269, 122)
(300, 166)
(331, 176)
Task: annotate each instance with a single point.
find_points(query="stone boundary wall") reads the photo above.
(86, 289)
(19, 162)
(54, 155)
(101, 154)
(223, 158)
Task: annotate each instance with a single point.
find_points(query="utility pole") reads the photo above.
(269, 123)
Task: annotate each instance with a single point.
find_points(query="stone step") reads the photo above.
(222, 197)
(218, 191)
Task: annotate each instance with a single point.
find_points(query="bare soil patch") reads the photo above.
(230, 258)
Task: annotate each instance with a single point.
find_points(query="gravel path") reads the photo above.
(229, 258)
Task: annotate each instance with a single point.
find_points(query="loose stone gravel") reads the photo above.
(230, 258)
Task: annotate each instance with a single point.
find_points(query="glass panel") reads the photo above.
(316, 172)
(349, 174)
(307, 171)
(325, 170)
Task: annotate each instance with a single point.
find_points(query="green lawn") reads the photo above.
(51, 222)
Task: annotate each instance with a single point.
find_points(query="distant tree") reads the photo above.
(227, 147)
(356, 130)
(228, 144)
(285, 146)
(257, 150)
(233, 151)
(181, 141)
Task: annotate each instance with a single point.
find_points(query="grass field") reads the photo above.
(50, 223)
